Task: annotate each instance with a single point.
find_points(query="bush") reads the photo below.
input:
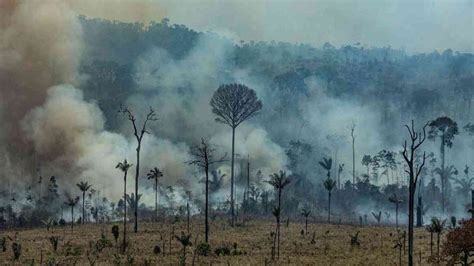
(222, 251)
(459, 243)
(203, 249)
(3, 244)
(62, 222)
(157, 250)
(115, 232)
(16, 248)
(54, 242)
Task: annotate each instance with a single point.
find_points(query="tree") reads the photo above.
(459, 243)
(305, 213)
(445, 129)
(353, 154)
(329, 184)
(124, 166)
(394, 199)
(414, 171)
(465, 184)
(367, 161)
(326, 163)
(279, 182)
(84, 187)
(151, 116)
(203, 157)
(438, 227)
(71, 202)
(155, 174)
(185, 240)
(233, 104)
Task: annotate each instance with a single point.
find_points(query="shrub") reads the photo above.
(459, 244)
(54, 242)
(3, 244)
(222, 250)
(203, 249)
(16, 248)
(115, 232)
(157, 250)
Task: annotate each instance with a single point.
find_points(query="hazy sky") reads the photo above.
(415, 25)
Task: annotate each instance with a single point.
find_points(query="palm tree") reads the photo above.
(185, 241)
(445, 129)
(305, 213)
(465, 184)
(329, 184)
(394, 199)
(438, 228)
(155, 174)
(132, 201)
(279, 182)
(429, 228)
(84, 187)
(124, 166)
(71, 202)
(326, 163)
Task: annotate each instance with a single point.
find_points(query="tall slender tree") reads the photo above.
(395, 200)
(414, 171)
(279, 182)
(329, 184)
(233, 104)
(203, 157)
(124, 166)
(353, 153)
(443, 128)
(154, 175)
(151, 116)
(71, 202)
(83, 187)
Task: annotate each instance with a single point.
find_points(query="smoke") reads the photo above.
(52, 123)
(40, 46)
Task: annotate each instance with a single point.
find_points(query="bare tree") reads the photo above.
(151, 116)
(353, 154)
(414, 171)
(233, 104)
(204, 157)
(84, 187)
(155, 174)
(124, 166)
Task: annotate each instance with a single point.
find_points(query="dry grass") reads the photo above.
(332, 245)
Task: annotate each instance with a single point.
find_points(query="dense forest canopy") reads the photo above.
(311, 97)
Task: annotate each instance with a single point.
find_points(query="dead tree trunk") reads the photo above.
(414, 171)
(419, 212)
(151, 116)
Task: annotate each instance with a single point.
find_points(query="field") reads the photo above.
(331, 245)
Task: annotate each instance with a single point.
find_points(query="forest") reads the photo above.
(114, 123)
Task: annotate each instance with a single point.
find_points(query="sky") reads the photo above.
(416, 26)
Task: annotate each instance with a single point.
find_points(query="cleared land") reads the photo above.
(331, 245)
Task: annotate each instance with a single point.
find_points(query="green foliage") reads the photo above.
(101, 244)
(203, 249)
(223, 250)
(115, 232)
(3, 244)
(54, 240)
(16, 248)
